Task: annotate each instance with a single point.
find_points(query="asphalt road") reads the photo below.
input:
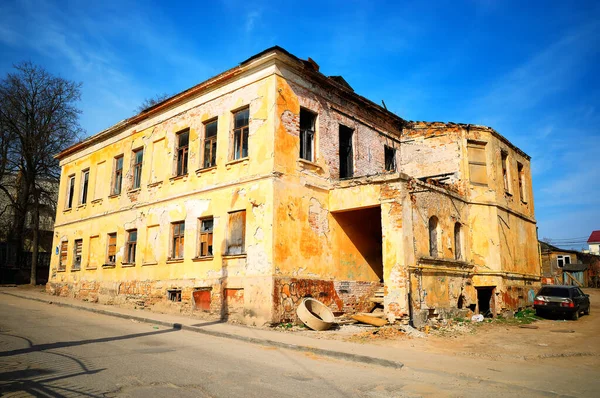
(49, 351)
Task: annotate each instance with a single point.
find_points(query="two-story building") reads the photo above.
(272, 182)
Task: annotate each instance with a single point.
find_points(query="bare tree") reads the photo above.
(149, 102)
(38, 119)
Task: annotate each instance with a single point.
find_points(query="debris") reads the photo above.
(370, 320)
(477, 318)
(411, 332)
(315, 314)
(529, 327)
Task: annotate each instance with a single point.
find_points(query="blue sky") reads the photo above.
(532, 72)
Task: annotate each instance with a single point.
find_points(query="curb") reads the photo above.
(253, 340)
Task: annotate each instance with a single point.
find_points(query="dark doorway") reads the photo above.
(485, 301)
(346, 152)
(361, 242)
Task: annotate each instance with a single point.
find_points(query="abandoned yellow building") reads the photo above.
(272, 182)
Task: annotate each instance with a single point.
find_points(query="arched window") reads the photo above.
(433, 236)
(457, 241)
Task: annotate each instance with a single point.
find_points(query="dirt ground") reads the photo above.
(497, 340)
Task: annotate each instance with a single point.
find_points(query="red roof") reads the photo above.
(594, 237)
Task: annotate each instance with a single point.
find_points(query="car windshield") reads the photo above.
(555, 292)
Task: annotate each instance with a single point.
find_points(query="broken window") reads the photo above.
(130, 246)
(111, 249)
(183, 141)
(70, 191)
(174, 295)
(521, 172)
(77, 249)
(563, 260)
(241, 122)
(62, 260)
(138, 158)
(307, 134)
(177, 239)
(85, 177)
(117, 175)
(346, 152)
(390, 158)
(210, 144)
(205, 237)
(433, 236)
(477, 162)
(457, 241)
(236, 233)
(505, 177)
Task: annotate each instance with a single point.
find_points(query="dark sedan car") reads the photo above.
(563, 300)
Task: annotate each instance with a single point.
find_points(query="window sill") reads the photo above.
(90, 268)
(82, 206)
(108, 265)
(127, 265)
(479, 184)
(206, 170)
(309, 163)
(75, 269)
(154, 184)
(228, 256)
(508, 193)
(61, 270)
(236, 161)
(99, 200)
(205, 258)
(134, 190)
(145, 264)
(445, 261)
(68, 210)
(174, 260)
(179, 177)
(114, 195)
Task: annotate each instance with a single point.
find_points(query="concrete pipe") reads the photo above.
(315, 314)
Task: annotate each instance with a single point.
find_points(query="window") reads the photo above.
(390, 158)
(85, 178)
(111, 249)
(177, 239)
(457, 242)
(70, 191)
(77, 248)
(236, 233)
(174, 295)
(130, 246)
(117, 175)
(521, 172)
(210, 144)
(346, 152)
(62, 260)
(183, 142)
(307, 134)
(433, 236)
(477, 162)
(205, 238)
(241, 121)
(561, 261)
(505, 176)
(138, 158)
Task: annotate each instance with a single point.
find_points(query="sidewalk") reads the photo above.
(368, 354)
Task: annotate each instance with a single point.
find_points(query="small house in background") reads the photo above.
(568, 267)
(594, 242)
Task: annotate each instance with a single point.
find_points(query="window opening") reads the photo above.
(307, 134)
(62, 260)
(177, 239)
(117, 175)
(183, 141)
(174, 295)
(505, 171)
(346, 152)
(205, 239)
(457, 242)
(241, 122)
(236, 233)
(131, 246)
(433, 236)
(477, 162)
(521, 182)
(85, 176)
(390, 158)
(138, 158)
(210, 144)
(70, 191)
(77, 248)
(111, 250)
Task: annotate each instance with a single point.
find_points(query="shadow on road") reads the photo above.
(63, 344)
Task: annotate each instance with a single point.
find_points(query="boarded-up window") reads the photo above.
(77, 249)
(236, 232)
(111, 249)
(177, 239)
(205, 237)
(62, 260)
(157, 161)
(151, 244)
(94, 253)
(477, 162)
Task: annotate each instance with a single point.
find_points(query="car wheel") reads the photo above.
(575, 315)
(587, 311)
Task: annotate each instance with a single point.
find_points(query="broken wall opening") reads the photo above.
(360, 244)
(485, 301)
